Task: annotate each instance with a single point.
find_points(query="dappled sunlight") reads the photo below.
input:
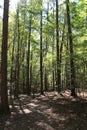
(26, 111)
(48, 112)
(52, 115)
(83, 94)
(32, 105)
(67, 94)
(7, 123)
(44, 125)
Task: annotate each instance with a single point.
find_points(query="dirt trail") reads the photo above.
(49, 112)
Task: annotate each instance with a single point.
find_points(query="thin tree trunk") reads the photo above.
(53, 71)
(12, 75)
(46, 81)
(16, 92)
(61, 46)
(61, 49)
(4, 106)
(28, 61)
(57, 50)
(67, 64)
(31, 70)
(23, 74)
(41, 55)
(45, 75)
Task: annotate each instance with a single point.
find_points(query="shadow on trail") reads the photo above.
(50, 112)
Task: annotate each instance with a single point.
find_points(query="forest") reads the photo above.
(43, 65)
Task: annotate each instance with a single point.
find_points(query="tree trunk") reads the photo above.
(12, 74)
(57, 50)
(46, 80)
(31, 70)
(23, 74)
(45, 73)
(41, 55)
(16, 92)
(28, 61)
(71, 51)
(4, 106)
(53, 70)
(61, 49)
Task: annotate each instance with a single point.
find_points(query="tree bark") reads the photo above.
(16, 92)
(41, 55)
(53, 70)
(28, 61)
(4, 106)
(57, 50)
(71, 50)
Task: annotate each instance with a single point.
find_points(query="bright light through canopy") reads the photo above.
(13, 4)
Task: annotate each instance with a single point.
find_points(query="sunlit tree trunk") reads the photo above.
(4, 106)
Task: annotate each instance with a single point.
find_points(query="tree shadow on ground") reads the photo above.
(49, 112)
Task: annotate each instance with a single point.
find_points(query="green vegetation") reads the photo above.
(46, 47)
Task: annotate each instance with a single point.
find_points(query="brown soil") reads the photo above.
(49, 112)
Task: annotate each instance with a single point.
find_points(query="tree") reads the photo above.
(17, 69)
(28, 58)
(41, 54)
(39, 31)
(57, 50)
(4, 106)
(72, 67)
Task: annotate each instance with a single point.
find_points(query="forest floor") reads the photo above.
(49, 112)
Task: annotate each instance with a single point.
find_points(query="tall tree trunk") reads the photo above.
(53, 71)
(61, 46)
(31, 69)
(45, 73)
(4, 106)
(67, 64)
(12, 74)
(41, 54)
(61, 49)
(57, 50)
(71, 51)
(23, 74)
(28, 61)
(16, 92)
(45, 80)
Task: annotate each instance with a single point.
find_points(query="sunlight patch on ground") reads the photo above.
(49, 110)
(24, 97)
(13, 114)
(26, 111)
(53, 115)
(35, 100)
(62, 118)
(67, 92)
(32, 105)
(56, 93)
(55, 98)
(42, 124)
(7, 123)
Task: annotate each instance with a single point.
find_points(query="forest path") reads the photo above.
(49, 112)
